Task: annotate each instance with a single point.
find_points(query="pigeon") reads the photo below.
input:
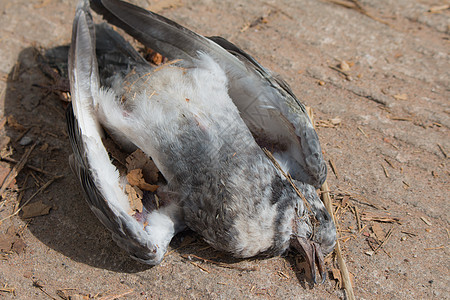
(240, 159)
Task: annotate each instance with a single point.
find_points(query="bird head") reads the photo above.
(314, 232)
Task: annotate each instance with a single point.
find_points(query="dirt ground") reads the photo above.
(382, 117)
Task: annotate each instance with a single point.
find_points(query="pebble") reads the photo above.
(25, 141)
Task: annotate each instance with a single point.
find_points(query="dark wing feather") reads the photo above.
(267, 105)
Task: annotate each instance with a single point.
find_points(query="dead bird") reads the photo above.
(203, 118)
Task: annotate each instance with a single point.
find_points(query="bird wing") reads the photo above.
(276, 118)
(90, 161)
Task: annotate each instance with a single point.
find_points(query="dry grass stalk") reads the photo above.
(342, 266)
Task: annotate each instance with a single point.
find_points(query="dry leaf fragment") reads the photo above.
(18, 246)
(35, 209)
(344, 66)
(378, 231)
(5, 169)
(44, 147)
(401, 97)
(6, 242)
(157, 58)
(335, 121)
(140, 160)
(134, 198)
(113, 150)
(12, 122)
(345, 200)
(337, 276)
(136, 178)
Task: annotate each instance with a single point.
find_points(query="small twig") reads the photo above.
(389, 163)
(116, 296)
(358, 221)
(200, 267)
(442, 150)
(388, 235)
(339, 70)
(40, 190)
(333, 168)
(409, 233)
(366, 202)
(6, 289)
(386, 173)
(12, 160)
(41, 287)
(362, 131)
(435, 248)
(289, 178)
(16, 169)
(364, 227)
(220, 264)
(22, 134)
(425, 220)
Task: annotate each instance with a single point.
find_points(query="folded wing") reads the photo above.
(90, 161)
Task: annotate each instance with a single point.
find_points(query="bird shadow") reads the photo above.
(35, 110)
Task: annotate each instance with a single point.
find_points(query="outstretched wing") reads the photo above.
(276, 118)
(90, 161)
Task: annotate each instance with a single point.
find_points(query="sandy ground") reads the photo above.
(383, 123)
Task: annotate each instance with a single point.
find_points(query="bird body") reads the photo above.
(202, 118)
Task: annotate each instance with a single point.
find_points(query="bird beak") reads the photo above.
(313, 256)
